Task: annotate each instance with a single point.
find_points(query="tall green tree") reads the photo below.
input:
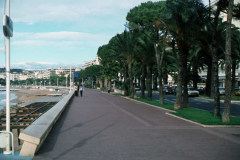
(221, 4)
(145, 53)
(109, 65)
(228, 85)
(126, 45)
(149, 17)
(235, 55)
(185, 19)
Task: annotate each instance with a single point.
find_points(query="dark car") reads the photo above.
(167, 90)
(201, 90)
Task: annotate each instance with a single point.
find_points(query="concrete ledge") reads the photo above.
(35, 134)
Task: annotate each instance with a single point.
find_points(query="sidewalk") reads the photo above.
(100, 126)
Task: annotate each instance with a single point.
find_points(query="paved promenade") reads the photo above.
(100, 126)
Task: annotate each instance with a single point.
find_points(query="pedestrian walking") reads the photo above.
(109, 89)
(76, 88)
(81, 90)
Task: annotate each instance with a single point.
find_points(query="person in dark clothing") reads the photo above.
(76, 88)
(81, 90)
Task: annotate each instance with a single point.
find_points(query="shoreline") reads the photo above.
(26, 95)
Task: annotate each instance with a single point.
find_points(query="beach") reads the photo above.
(28, 94)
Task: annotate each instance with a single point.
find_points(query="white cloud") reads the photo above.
(30, 11)
(67, 35)
(62, 38)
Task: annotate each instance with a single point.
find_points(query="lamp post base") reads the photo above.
(7, 152)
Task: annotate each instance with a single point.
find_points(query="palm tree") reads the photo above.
(228, 85)
(215, 85)
(145, 52)
(126, 45)
(109, 61)
(149, 17)
(185, 20)
(235, 55)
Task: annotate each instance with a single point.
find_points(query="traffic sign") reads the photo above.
(7, 26)
(76, 75)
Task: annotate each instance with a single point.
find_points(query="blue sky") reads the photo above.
(55, 33)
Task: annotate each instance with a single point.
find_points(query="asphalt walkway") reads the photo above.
(100, 126)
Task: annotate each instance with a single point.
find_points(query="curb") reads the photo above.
(168, 110)
(220, 100)
(203, 125)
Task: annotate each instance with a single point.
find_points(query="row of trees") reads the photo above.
(53, 81)
(178, 38)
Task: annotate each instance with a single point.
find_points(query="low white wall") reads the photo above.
(35, 134)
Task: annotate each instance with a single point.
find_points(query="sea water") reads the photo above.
(3, 98)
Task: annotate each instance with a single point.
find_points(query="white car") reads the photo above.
(221, 91)
(193, 92)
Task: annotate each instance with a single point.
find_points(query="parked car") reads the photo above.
(193, 92)
(167, 90)
(222, 91)
(201, 90)
(237, 92)
(174, 88)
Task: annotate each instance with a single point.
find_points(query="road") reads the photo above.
(200, 102)
(101, 126)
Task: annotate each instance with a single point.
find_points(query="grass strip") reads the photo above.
(194, 114)
(156, 103)
(204, 117)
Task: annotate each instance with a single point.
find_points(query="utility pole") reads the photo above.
(70, 78)
(8, 32)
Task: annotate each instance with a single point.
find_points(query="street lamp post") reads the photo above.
(70, 78)
(8, 32)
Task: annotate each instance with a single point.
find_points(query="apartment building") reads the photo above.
(91, 63)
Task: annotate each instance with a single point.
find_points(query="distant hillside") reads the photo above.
(12, 70)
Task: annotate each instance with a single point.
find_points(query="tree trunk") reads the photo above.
(195, 74)
(149, 82)
(215, 86)
(126, 81)
(159, 59)
(143, 87)
(234, 65)
(110, 85)
(155, 83)
(228, 85)
(178, 102)
(215, 81)
(132, 89)
(165, 76)
(185, 79)
(182, 76)
(209, 77)
(209, 10)
(105, 84)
